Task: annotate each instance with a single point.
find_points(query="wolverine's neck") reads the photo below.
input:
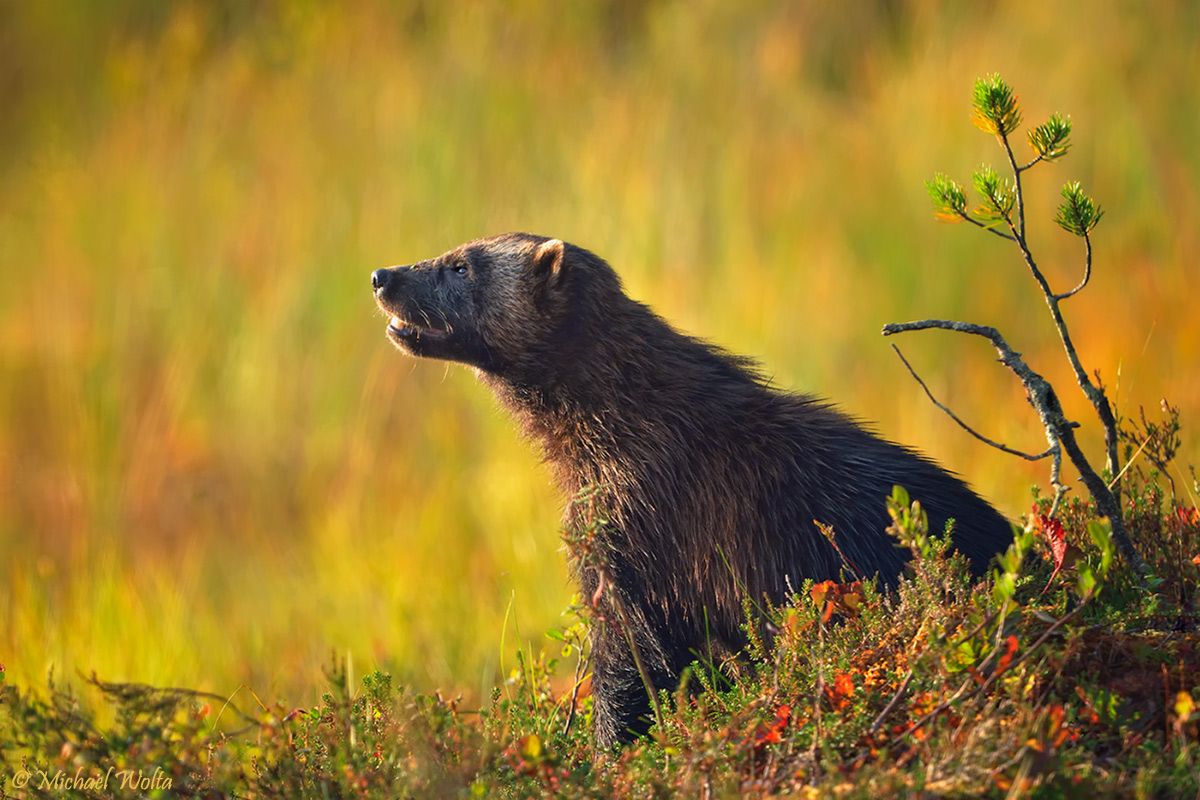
(622, 398)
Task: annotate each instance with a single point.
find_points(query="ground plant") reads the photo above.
(1071, 671)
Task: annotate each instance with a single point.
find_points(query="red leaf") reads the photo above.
(1006, 659)
(1056, 537)
(773, 732)
(1064, 555)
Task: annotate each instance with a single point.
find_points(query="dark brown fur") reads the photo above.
(711, 479)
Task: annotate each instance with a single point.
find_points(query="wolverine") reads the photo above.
(710, 479)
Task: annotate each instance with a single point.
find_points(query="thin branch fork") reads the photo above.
(1030, 164)
(1019, 228)
(1028, 378)
(989, 228)
(1010, 358)
(1087, 270)
(1059, 430)
(1096, 397)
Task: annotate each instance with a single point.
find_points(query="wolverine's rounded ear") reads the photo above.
(548, 260)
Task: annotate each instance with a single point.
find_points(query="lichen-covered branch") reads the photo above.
(1059, 430)
(1094, 395)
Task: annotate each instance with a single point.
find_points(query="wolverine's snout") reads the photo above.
(380, 278)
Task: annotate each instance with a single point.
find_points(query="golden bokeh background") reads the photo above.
(216, 472)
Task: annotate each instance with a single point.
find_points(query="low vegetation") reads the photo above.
(1058, 677)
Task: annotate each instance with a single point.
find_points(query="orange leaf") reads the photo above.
(844, 598)
(1006, 659)
(1055, 728)
(819, 590)
(838, 695)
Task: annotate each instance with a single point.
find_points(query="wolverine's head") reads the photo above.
(487, 303)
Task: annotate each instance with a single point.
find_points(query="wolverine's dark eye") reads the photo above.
(460, 270)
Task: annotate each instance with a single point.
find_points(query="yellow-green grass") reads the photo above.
(215, 471)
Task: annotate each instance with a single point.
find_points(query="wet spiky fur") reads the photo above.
(710, 479)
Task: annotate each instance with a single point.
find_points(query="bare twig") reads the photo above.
(1031, 163)
(1019, 229)
(574, 694)
(891, 706)
(965, 426)
(1087, 270)
(989, 228)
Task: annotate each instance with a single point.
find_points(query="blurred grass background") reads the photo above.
(214, 469)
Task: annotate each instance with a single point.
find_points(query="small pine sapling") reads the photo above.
(1001, 211)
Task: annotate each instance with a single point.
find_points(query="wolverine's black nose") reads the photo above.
(379, 278)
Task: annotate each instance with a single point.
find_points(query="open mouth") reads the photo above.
(402, 329)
